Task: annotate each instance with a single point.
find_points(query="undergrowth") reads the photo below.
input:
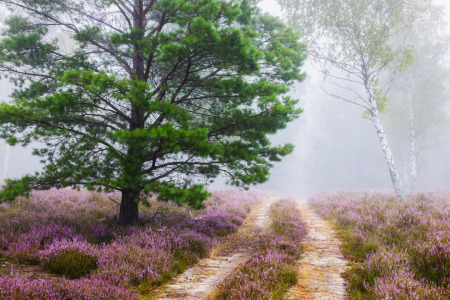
(269, 273)
(76, 234)
(71, 263)
(400, 249)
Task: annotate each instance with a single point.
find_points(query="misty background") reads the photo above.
(335, 147)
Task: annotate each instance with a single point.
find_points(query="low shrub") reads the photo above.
(181, 260)
(357, 246)
(20, 288)
(268, 274)
(76, 234)
(265, 276)
(71, 264)
(72, 258)
(197, 243)
(379, 264)
(403, 285)
(24, 246)
(402, 247)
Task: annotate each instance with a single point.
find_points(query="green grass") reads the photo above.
(71, 264)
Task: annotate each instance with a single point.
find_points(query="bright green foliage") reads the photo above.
(147, 96)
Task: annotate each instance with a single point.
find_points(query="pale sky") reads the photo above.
(272, 7)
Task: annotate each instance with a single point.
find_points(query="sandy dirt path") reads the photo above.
(322, 263)
(199, 281)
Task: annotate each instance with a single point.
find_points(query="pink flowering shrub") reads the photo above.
(71, 258)
(287, 222)
(76, 234)
(231, 202)
(401, 284)
(268, 274)
(23, 245)
(142, 255)
(19, 288)
(402, 247)
(265, 276)
(61, 245)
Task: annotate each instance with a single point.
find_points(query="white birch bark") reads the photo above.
(395, 177)
(413, 153)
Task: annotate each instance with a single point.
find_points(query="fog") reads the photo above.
(335, 147)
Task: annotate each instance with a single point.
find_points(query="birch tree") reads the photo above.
(351, 42)
(423, 91)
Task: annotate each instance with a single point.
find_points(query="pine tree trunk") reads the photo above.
(395, 177)
(129, 206)
(129, 212)
(5, 170)
(413, 153)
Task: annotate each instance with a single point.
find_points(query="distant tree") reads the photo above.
(422, 90)
(154, 97)
(351, 42)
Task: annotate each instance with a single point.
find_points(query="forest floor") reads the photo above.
(199, 281)
(322, 264)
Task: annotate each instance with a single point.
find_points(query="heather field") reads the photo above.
(75, 248)
(400, 249)
(76, 235)
(269, 273)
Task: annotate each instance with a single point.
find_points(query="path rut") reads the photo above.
(199, 281)
(322, 263)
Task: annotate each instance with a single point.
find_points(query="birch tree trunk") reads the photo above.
(395, 177)
(413, 153)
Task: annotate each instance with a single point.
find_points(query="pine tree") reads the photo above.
(147, 96)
